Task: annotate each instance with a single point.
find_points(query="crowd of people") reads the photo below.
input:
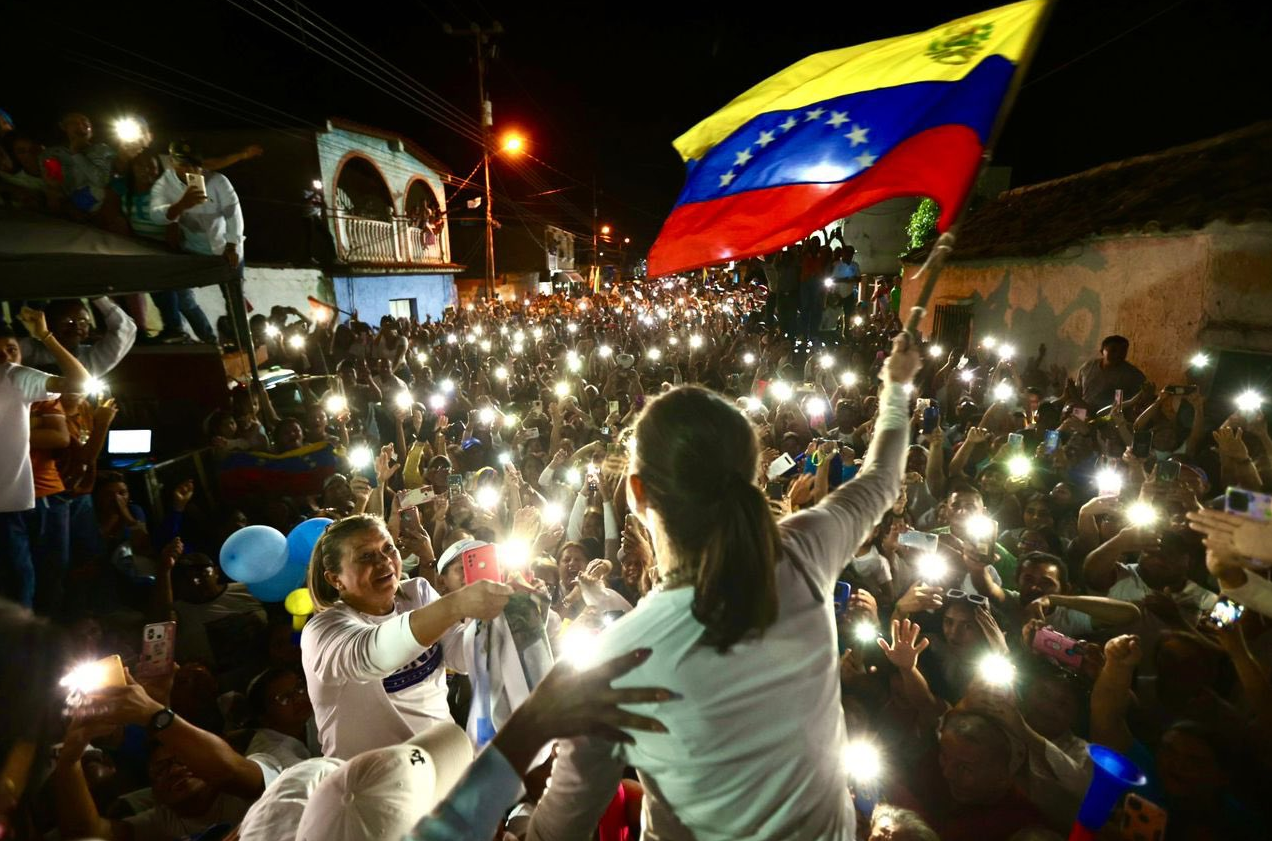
(800, 576)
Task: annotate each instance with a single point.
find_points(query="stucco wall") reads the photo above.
(370, 295)
(265, 288)
(878, 234)
(399, 169)
(1161, 292)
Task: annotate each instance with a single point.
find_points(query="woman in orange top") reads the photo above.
(48, 523)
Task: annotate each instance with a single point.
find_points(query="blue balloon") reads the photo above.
(301, 540)
(276, 588)
(255, 553)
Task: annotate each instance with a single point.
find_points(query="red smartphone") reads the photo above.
(481, 564)
(158, 647)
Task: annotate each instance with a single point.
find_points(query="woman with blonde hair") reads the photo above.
(375, 652)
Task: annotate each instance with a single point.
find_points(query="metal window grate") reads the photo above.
(952, 325)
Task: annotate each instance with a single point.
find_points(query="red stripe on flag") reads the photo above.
(940, 162)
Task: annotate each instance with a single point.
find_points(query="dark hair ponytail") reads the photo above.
(697, 458)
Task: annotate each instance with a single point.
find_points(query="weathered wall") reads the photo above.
(878, 234)
(265, 287)
(370, 295)
(1161, 292)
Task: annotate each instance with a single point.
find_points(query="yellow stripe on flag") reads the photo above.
(945, 53)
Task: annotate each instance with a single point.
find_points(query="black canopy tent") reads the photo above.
(46, 257)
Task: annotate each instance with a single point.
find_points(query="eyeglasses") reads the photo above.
(295, 695)
(972, 598)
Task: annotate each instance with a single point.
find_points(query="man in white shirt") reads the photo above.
(71, 322)
(210, 219)
(19, 388)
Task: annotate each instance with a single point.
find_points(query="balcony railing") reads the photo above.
(362, 241)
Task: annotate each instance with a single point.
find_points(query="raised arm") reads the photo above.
(831, 531)
(1104, 612)
(75, 376)
(1111, 695)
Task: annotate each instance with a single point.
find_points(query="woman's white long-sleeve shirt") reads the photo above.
(754, 748)
(371, 683)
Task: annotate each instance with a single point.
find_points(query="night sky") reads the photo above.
(602, 89)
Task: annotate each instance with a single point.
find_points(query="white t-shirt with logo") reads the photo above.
(372, 685)
(19, 388)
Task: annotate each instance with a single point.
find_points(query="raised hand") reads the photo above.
(907, 645)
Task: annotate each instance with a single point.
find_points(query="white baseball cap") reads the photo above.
(455, 550)
(276, 814)
(383, 793)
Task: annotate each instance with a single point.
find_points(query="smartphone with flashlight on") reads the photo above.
(1249, 504)
(1224, 613)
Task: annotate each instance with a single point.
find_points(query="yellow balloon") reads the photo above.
(298, 622)
(298, 603)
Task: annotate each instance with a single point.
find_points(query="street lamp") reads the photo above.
(513, 143)
(605, 230)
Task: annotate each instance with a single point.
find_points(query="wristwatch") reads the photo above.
(161, 721)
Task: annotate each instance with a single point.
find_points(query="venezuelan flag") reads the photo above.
(298, 472)
(842, 130)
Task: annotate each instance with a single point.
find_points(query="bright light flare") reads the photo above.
(578, 646)
(864, 632)
(501, 373)
(1004, 392)
(1249, 401)
(932, 568)
(863, 761)
(1108, 482)
(1019, 466)
(748, 359)
(996, 670)
(271, 330)
(978, 527)
(571, 328)
(654, 354)
(403, 400)
(604, 351)
(848, 378)
(128, 130)
(94, 385)
(436, 402)
(752, 405)
(829, 283)
(486, 416)
(421, 357)
(485, 345)
(513, 143)
(857, 321)
(1141, 514)
(487, 497)
(989, 342)
(936, 351)
(447, 386)
(573, 477)
(695, 342)
(561, 389)
(1006, 351)
(553, 514)
(1199, 360)
(815, 406)
(336, 404)
(513, 554)
(296, 342)
(826, 360)
(452, 339)
(510, 421)
(87, 677)
(360, 457)
(966, 376)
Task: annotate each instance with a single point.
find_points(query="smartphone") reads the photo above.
(613, 407)
(921, 540)
(923, 403)
(454, 486)
(931, 417)
(1079, 412)
(1055, 646)
(843, 590)
(537, 406)
(1015, 441)
(480, 564)
(197, 181)
(158, 648)
(1181, 389)
(1142, 443)
(414, 497)
(1224, 613)
(1167, 471)
(1117, 397)
(780, 465)
(1051, 441)
(1249, 504)
(532, 432)
(775, 491)
(593, 482)
(1142, 820)
(411, 515)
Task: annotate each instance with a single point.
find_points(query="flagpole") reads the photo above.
(930, 271)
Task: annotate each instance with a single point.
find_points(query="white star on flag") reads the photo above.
(790, 123)
(742, 157)
(766, 137)
(815, 114)
(863, 160)
(857, 135)
(727, 178)
(837, 119)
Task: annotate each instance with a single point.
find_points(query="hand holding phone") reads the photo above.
(158, 648)
(481, 564)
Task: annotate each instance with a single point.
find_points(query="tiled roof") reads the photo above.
(1228, 177)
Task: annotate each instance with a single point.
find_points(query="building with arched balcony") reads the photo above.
(349, 214)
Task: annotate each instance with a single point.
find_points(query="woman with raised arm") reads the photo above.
(742, 629)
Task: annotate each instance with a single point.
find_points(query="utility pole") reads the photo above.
(596, 239)
(481, 37)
